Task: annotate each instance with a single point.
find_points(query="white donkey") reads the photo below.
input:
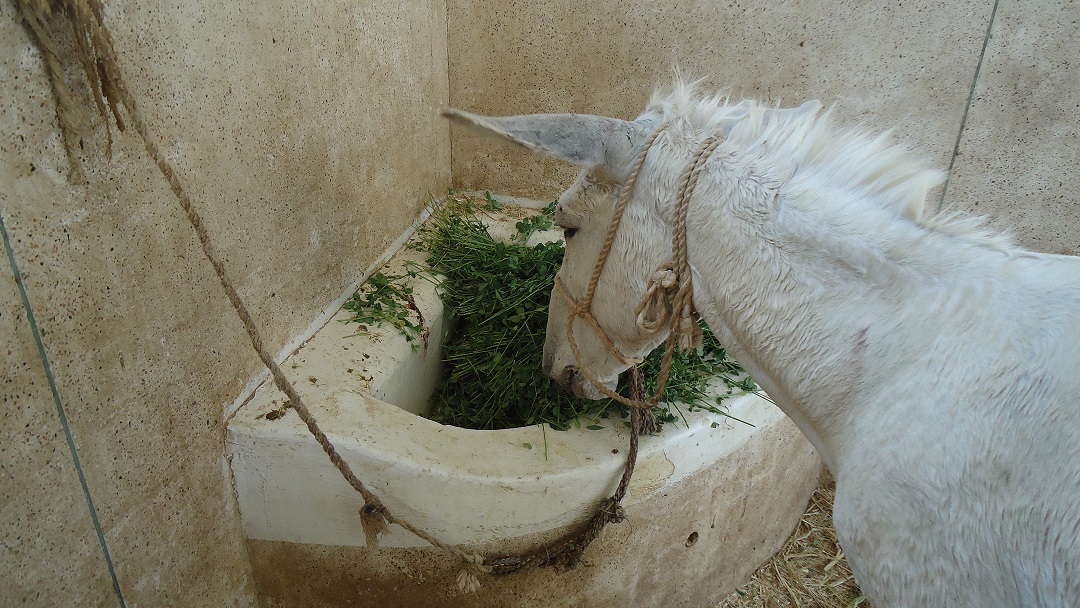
(934, 366)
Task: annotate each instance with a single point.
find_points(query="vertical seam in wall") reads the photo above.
(967, 107)
(449, 89)
(60, 409)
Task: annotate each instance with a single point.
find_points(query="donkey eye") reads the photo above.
(568, 232)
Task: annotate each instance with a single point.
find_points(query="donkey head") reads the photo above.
(606, 150)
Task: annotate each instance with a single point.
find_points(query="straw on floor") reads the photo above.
(810, 571)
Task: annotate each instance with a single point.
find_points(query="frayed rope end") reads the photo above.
(688, 330)
(374, 524)
(468, 579)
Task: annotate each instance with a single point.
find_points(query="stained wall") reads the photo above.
(1019, 148)
(308, 138)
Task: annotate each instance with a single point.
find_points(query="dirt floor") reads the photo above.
(809, 572)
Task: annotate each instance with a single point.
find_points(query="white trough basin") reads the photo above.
(710, 500)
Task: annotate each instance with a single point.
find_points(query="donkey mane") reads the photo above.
(880, 170)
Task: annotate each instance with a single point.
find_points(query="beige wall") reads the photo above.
(309, 139)
(908, 66)
(1020, 150)
(307, 135)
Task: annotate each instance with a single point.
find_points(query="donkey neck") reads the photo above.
(803, 303)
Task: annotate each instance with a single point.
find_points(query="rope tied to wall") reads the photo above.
(96, 54)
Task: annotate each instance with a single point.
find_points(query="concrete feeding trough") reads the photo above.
(710, 500)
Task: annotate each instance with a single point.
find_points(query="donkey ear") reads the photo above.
(582, 139)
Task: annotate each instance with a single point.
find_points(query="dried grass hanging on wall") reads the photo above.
(67, 29)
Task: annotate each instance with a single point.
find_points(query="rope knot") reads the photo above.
(373, 521)
(614, 511)
(668, 302)
(468, 579)
(654, 310)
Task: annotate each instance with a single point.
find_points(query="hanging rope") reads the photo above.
(567, 553)
(97, 56)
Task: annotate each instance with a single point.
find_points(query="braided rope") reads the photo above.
(374, 516)
(620, 207)
(683, 301)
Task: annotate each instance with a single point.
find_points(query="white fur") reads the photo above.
(935, 366)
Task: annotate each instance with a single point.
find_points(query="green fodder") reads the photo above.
(497, 294)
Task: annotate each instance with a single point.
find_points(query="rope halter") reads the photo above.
(669, 294)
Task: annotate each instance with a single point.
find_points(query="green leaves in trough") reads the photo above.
(497, 294)
(386, 299)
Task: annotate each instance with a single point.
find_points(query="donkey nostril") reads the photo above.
(568, 375)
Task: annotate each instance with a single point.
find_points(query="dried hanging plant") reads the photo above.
(68, 29)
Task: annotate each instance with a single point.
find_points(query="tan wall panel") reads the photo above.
(308, 137)
(48, 547)
(1021, 146)
(908, 66)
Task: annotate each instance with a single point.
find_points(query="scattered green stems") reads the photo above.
(387, 299)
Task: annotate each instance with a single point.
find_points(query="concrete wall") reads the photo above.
(906, 65)
(308, 137)
(1019, 150)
